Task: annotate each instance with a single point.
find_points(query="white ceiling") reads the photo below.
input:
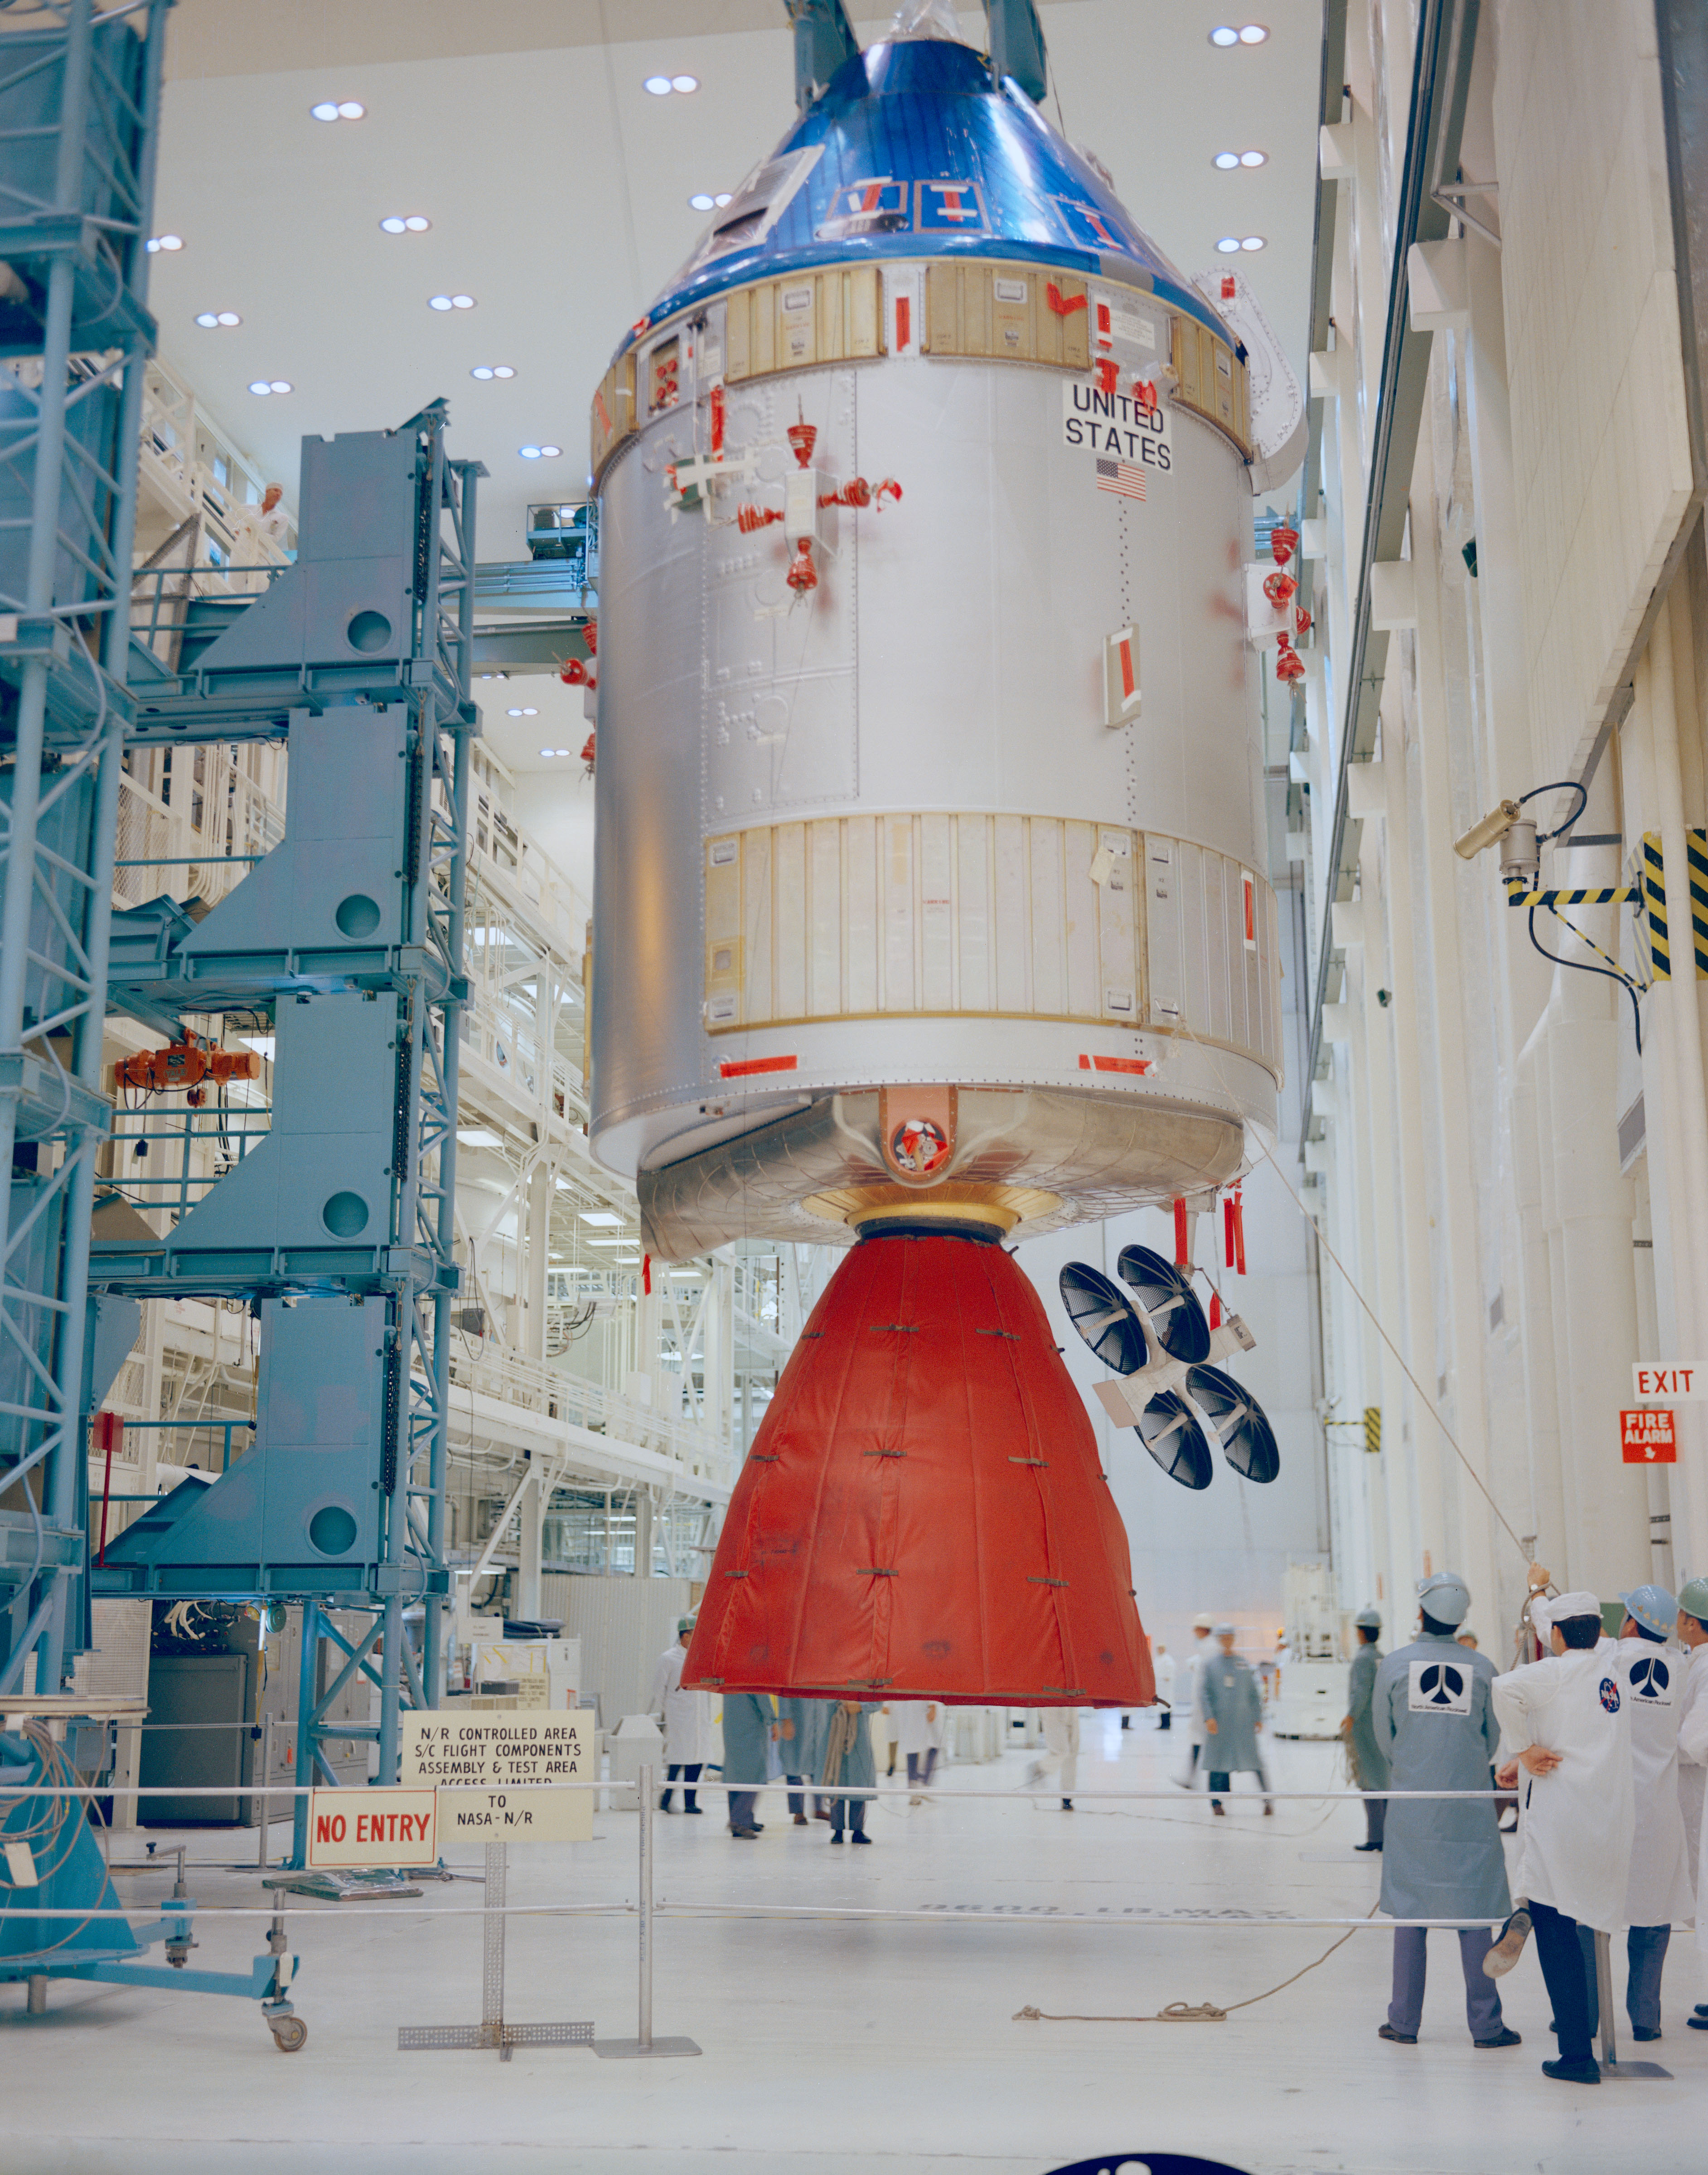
(558, 192)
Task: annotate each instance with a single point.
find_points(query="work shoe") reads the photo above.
(1573, 2073)
(1506, 2037)
(1220, 1811)
(1366, 1846)
(1268, 1810)
(1399, 2038)
(802, 1821)
(1509, 1947)
(743, 1834)
(1642, 2031)
(1699, 2022)
(859, 1834)
(1067, 1804)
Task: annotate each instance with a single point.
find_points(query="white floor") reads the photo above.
(835, 2045)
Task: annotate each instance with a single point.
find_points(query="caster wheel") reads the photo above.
(289, 2034)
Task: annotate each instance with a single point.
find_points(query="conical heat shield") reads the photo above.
(923, 1515)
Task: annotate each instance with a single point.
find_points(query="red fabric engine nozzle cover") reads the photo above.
(923, 1514)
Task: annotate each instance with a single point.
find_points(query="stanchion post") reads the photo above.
(645, 1959)
(265, 1806)
(1612, 2066)
(644, 2046)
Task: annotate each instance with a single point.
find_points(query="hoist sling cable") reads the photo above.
(1375, 1321)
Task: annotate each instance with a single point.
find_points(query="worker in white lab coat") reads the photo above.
(1566, 1722)
(684, 1717)
(1693, 1755)
(1192, 1695)
(1651, 1673)
(1061, 1751)
(1163, 1668)
(918, 1724)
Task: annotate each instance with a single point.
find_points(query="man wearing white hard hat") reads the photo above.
(685, 1717)
(1662, 1890)
(1693, 1754)
(1566, 1722)
(1433, 1719)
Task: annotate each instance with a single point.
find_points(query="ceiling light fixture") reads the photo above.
(661, 86)
(1251, 241)
(1230, 244)
(529, 713)
(700, 201)
(1253, 33)
(1226, 160)
(540, 453)
(1224, 34)
(450, 301)
(602, 1216)
(1253, 158)
(167, 242)
(685, 85)
(263, 386)
(210, 317)
(395, 223)
(486, 369)
(338, 109)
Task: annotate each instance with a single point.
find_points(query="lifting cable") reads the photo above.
(1375, 1321)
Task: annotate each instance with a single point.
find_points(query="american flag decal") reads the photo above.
(1122, 478)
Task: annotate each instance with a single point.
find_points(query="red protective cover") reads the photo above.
(923, 1514)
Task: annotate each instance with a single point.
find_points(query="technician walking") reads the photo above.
(684, 1717)
(1433, 1722)
(1202, 1650)
(1365, 1757)
(1233, 1717)
(1567, 1722)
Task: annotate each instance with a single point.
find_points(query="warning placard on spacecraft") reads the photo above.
(516, 1815)
(1119, 424)
(498, 1751)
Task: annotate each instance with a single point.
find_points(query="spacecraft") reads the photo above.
(930, 903)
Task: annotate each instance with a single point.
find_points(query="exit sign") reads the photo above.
(1679, 1382)
(1648, 1437)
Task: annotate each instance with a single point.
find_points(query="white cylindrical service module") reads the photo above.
(930, 872)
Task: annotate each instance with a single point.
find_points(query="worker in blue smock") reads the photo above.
(1233, 1717)
(800, 1728)
(750, 1724)
(1365, 1757)
(1434, 1721)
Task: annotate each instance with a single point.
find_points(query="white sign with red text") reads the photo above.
(1675, 1382)
(354, 1827)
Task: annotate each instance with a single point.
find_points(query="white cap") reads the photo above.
(1226, 1631)
(1559, 1607)
(1203, 1622)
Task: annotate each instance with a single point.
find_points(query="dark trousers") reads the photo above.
(1646, 1959)
(743, 1804)
(797, 1804)
(1218, 1781)
(1559, 1952)
(690, 1775)
(1410, 1954)
(848, 1812)
(922, 1779)
(1375, 1819)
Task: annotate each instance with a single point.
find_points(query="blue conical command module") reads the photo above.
(916, 150)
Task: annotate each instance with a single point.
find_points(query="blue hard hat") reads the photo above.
(1653, 1607)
